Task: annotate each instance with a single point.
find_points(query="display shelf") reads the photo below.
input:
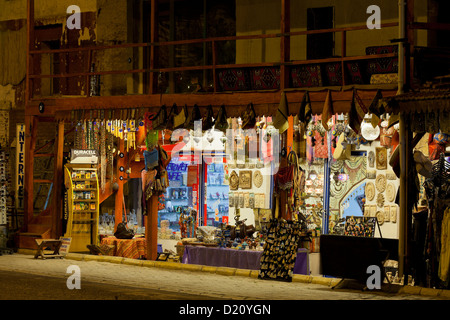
(82, 207)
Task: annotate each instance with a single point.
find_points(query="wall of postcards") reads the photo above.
(3, 187)
(4, 128)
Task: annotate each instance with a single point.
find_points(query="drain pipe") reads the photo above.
(401, 45)
(403, 214)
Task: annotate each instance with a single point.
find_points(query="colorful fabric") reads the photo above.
(307, 76)
(127, 248)
(334, 73)
(265, 78)
(355, 72)
(383, 65)
(234, 80)
(384, 78)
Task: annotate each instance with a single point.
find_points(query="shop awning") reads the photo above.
(422, 101)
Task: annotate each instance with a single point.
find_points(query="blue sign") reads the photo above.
(175, 171)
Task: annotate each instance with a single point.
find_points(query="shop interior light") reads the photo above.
(313, 175)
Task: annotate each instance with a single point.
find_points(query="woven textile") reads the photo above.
(307, 76)
(234, 80)
(127, 248)
(334, 73)
(265, 78)
(383, 65)
(355, 72)
(384, 78)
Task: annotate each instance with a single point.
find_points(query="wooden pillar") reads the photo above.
(151, 228)
(405, 201)
(58, 178)
(31, 123)
(285, 44)
(118, 201)
(30, 46)
(409, 46)
(153, 39)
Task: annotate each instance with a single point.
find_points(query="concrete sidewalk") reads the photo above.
(252, 274)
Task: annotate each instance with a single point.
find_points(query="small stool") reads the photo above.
(53, 244)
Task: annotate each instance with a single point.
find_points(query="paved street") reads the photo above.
(200, 285)
(24, 278)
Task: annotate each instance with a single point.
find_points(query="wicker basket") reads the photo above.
(180, 250)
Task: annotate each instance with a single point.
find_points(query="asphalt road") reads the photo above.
(23, 286)
(108, 290)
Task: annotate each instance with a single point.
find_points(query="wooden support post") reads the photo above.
(153, 39)
(58, 179)
(409, 46)
(118, 208)
(285, 43)
(30, 46)
(405, 201)
(343, 54)
(151, 228)
(31, 123)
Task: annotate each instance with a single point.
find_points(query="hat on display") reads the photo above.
(281, 119)
(369, 132)
(394, 161)
(341, 152)
(423, 164)
(328, 110)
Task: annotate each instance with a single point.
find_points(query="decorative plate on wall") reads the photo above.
(370, 191)
(390, 192)
(245, 179)
(257, 179)
(234, 180)
(380, 182)
(380, 200)
(380, 217)
(381, 158)
(371, 159)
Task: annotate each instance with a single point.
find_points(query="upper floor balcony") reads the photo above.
(147, 53)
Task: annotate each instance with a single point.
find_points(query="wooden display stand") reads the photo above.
(83, 206)
(53, 244)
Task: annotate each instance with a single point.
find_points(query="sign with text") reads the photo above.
(84, 156)
(20, 164)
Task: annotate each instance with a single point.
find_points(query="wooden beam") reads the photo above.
(58, 179)
(30, 46)
(151, 228)
(118, 203)
(234, 101)
(31, 124)
(153, 39)
(409, 46)
(285, 43)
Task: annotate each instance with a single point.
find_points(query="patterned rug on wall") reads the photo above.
(234, 80)
(382, 65)
(265, 78)
(307, 76)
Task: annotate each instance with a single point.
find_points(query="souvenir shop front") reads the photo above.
(426, 118)
(232, 197)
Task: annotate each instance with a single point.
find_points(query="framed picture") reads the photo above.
(245, 179)
(360, 226)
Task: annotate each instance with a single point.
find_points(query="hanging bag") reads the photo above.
(221, 121)
(248, 117)
(180, 118)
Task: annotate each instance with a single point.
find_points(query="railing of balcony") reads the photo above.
(151, 73)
